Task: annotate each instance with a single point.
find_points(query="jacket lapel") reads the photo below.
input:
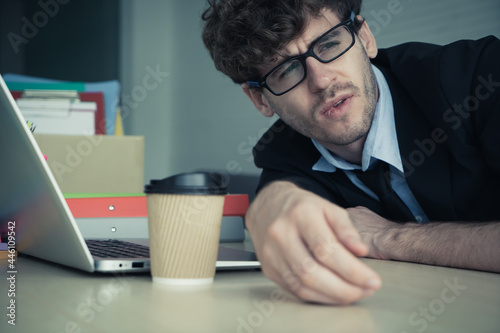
(424, 155)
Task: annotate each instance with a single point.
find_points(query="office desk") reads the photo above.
(414, 298)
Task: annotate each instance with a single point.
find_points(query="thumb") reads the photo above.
(343, 228)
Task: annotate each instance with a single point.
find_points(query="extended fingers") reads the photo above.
(336, 243)
(302, 274)
(309, 246)
(334, 256)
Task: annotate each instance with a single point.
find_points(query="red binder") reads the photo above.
(100, 118)
(234, 205)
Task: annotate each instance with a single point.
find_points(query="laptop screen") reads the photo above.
(29, 195)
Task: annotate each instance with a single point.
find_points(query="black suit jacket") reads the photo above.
(447, 113)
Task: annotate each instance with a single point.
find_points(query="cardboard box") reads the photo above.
(95, 164)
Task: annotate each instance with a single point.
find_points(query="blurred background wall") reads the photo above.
(198, 118)
(194, 117)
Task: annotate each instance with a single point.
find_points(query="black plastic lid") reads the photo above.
(200, 183)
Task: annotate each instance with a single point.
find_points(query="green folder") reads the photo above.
(21, 86)
(100, 195)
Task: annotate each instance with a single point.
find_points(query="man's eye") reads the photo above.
(288, 69)
(329, 46)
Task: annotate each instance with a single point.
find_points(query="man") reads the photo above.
(389, 154)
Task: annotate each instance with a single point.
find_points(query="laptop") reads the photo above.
(33, 206)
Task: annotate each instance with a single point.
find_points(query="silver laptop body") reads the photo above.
(31, 202)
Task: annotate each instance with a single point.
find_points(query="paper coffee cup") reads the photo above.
(184, 219)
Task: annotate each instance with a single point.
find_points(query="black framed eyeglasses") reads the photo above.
(291, 72)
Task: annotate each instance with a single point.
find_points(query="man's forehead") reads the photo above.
(315, 27)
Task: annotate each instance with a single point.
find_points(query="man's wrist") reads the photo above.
(387, 242)
(263, 200)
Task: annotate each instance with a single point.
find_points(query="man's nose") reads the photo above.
(319, 75)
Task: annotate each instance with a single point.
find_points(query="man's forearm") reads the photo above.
(463, 245)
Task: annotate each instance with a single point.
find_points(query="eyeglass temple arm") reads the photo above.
(254, 84)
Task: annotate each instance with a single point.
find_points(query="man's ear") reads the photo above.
(368, 40)
(258, 99)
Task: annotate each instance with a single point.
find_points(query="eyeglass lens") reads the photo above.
(326, 49)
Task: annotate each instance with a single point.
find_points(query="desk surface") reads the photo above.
(414, 298)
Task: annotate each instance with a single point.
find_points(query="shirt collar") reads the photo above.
(381, 142)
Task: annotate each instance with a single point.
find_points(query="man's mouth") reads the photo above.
(339, 102)
(337, 107)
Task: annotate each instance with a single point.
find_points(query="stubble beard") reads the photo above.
(352, 132)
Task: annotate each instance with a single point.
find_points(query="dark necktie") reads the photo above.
(378, 180)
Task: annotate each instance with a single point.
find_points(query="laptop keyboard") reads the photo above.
(113, 248)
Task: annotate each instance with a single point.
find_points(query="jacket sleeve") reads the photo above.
(472, 69)
(485, 102)
(285, 155)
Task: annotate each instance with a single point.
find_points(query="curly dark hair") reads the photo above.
(242, 35)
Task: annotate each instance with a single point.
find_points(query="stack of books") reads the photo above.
(64, 107)
(61, 111)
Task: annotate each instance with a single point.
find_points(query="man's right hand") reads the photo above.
(309, 246)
